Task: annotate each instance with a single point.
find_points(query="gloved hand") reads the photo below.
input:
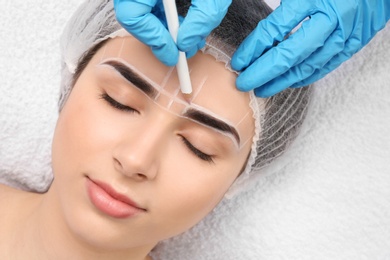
(335, 31)
(145, 20)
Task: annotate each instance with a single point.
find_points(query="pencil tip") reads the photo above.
(187, 97)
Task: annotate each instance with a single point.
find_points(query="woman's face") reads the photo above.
(127, 136)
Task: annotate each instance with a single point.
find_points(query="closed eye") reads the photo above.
(201, 155)
(115, 104)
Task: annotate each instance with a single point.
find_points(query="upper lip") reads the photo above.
(116, 195)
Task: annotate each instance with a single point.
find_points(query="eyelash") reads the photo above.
(201, 155)
(115, 104)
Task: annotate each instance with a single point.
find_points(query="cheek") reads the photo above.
(191, 193)
(81, 134)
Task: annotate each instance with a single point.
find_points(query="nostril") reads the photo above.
(141, 176)
(117, 164)
(129, 172)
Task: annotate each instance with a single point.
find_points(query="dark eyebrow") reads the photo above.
(134, 78)
(211, 121)
(194, 114)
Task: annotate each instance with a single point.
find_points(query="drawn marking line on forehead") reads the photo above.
(103, 53)
(198, 89)
(245, 116)
(165, 81)
(132, 74)
(174, 99)
(191, 111)
(166, 78)
(121, 48)
(246, 141)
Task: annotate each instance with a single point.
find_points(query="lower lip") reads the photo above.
(107, 204)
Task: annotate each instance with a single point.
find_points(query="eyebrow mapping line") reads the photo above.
(211, 121)
(198, 89)
(149, 84)
(164, 82)
(192, 112)
(103, 53)
(121, 48)
(173, 99)
(242, 119)
(134, 77)
(166, 78)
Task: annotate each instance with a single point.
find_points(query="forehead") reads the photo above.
(213, 85)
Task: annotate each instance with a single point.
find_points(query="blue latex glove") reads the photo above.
(145, 19)
(335, 31)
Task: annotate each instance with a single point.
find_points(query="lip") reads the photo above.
(111, 202)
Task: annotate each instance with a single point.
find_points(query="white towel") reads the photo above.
(29, 84)
(328, 197)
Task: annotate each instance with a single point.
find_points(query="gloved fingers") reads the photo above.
(359, 21)
(349, 49)
(159, 39)
(195, 49)
(269, 31)
(192, 51)
(136, 18)
(318, 74)
(318, 59)
(134, 5)
(159, 11)
(287, 54)
(129, 12)
(202, 17)
(270, 89)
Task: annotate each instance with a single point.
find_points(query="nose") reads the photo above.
(138, 153)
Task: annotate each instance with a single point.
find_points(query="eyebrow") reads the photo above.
(191, 113)
(211, 121)
(132, 77)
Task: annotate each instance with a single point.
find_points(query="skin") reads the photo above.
(140, 154)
